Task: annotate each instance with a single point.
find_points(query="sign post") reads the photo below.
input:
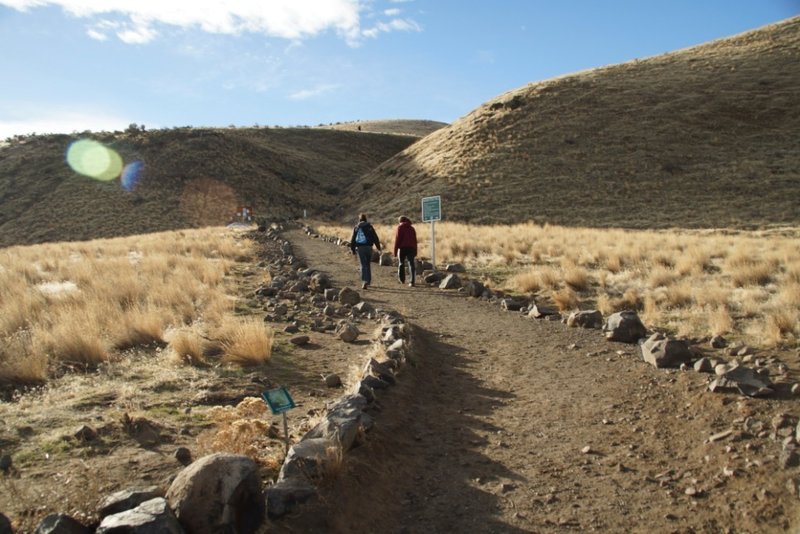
(280, 402)
(432, 212)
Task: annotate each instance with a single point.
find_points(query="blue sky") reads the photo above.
(72, 65)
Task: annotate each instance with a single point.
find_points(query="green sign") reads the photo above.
(432, 209)
(278, 400)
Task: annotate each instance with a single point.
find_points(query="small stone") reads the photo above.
(795, 389)
(5, 463)
(183, 455)
(85, 433)
(586, 450)
(299, 340)
(720, 435)
(291, 329)
(333, 380)
(718, 342)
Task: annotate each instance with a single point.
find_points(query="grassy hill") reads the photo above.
(417, 128)
(701, 137)
(190, 178)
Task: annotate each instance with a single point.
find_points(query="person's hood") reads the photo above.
(405, 223)
(362, 224)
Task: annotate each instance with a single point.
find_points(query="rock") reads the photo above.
(451, 281)
(624, 326)
(5, 525)
(347, 332)
(718, 342)
(795, 389)
(540, 312)
(333, 380)
(329, 310)
(320, 283)
(742, 380)
(85, 433)
(349, 296)
(788, 457)
(513, 304)
(332, 294)
(586, 319)
(474, 288)
(218, 493)
(5, 463)
(61, 524)
(666, 352)
(150, 517)
(291, 329)
(433, 277)
(705, 365)
(783, 420)
(128, 499)
(183, 455)
(386, 259)
(364, 308)
(299, 340)
(310, 458)
(719, 436)
(284, 496)
(455, 268)
(424, 266)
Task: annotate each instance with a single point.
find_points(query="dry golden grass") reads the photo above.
(81, 303)
(746, 284)
(246, 342)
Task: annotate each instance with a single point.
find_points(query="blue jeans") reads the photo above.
(365, 258)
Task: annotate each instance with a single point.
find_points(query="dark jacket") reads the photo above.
(405, 237)
(369, 233)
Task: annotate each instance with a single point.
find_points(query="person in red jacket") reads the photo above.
(405, 248)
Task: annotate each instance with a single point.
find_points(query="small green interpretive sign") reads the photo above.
(278, 400)
(432, 209)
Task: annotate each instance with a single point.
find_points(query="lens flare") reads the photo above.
(131, 174)
(93, 159)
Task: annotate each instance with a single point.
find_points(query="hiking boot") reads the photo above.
(411, 284)
(364, 285)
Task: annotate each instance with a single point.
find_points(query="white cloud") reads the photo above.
(305, 94)
(391, 12)
(393, 25)
(61, 121)
(288, 19)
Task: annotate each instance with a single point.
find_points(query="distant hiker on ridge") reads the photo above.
(405, 241)
(364, 236)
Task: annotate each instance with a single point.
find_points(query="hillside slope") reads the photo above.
(702, 137)
(417, 128)
(191, 177)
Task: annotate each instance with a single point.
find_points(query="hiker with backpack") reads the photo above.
(364, 236)
(405, 244)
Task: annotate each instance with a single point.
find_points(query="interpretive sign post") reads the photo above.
(432, 212)
(280, 402)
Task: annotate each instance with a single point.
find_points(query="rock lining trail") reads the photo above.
(503, 423)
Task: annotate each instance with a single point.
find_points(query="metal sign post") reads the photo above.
(280, 402)
(432, 212)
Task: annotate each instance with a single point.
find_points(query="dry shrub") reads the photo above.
(712, 295)
(527, 282)
(720, 321)
(548, 277)
(243, 429)
(678, 296)
(139, 328)
(186, 347)
(566, 299)
(19, 363)
(779, 324)
(69, 343)
(577, 278)
(694, 261)
(651, 313)
(752, 274)
(246, 342)
(661, 276)
(789, 295)
(614, 263)
(630, 300)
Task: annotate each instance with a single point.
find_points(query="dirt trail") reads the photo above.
(488, 428)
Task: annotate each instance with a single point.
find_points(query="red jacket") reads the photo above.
(405, 237)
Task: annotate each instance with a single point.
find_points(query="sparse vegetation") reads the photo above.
(700, 282)
(79, 304)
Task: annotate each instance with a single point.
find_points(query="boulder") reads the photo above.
(347, 332)
(586, 319)
(706, 365)
(451, 281)
(474, 288)
(510, 304)
(666, 352)
(61, 524)
(85, 433)
(349, 296)
(128, 499)
(624, 326)
(540, 312)
(743, 380)
(320, 282)
(5, 525)
(364, 308)
(333, 380)
(455, 268)
(424, 266)
(310, 458)
(285, 495)
(218, 493)
(376, 256)
(433, 277)
(6, 462)
(332, 293)
(386, 259)
(150, 517)
(183, 455)
(718, 342)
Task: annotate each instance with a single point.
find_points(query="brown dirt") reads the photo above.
(486, 430)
